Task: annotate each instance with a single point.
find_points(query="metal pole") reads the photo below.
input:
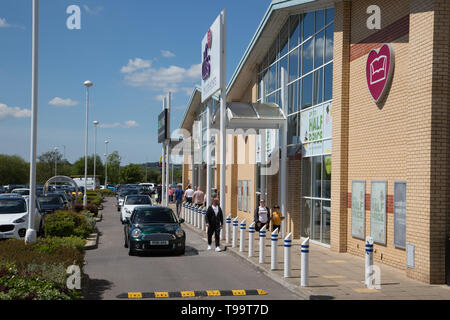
(223, 100)
(30, 235)
(163, 177)
(305, 263)
(283, 173)
(106, 165)
(273, 261)
(95, 154)
(86, 148)
(242, 236)
(169, 102)
(287, 255)
(251, 231)
(208, 154)
(262, 237)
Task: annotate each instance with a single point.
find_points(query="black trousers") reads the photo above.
(216, 232)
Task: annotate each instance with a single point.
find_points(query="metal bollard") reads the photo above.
(242, 236)
(195, 215)
(199, 217)
(369, 260)
(273, 261)
(251, 231)
(235, 226)
(305, 263)
(203, 218)
(227, 229)
(287, 255)
(262, 238)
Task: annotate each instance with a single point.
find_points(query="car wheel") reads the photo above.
(125, 243)
(130, 252)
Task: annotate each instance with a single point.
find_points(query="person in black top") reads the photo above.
(214, 222)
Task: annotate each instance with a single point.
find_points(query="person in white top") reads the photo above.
(262, 216)
(189, 193)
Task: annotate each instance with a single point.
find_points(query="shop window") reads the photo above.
(329, 43)
(305, 226)
(293, 65)
(326, 177)
(319, 49)
(316, 220)
(292, 129)
(317, 177)
(266, 80)
(284, 39)
(307, 56)
(326, 218)
(308, 25)
(293, 31)
(306, 177)
(320, 19)
(328, 82)
(283, 66)
(273, 52)
(329, 15)
(273, 78)
(307, 91)
(293, 99)
(318, 86)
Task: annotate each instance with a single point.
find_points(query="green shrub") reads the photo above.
(66, 224)
(51, 245)
(90, 218)
(92, 208)
(107, 192)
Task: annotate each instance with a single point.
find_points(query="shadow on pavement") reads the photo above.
(93, 289)
(190, 251)
(321, 298)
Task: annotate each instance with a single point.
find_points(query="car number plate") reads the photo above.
(159, 243)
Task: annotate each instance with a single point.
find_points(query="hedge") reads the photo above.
(66, 224)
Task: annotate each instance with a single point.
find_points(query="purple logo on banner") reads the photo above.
(206, 66)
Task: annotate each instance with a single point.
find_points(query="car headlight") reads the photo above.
(136, 233)
(179, 233)
(21, 220)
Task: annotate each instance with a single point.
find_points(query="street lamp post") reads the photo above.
(95, 151)
(120, 160)
(87, 84)
(56, 161)
(106, 164)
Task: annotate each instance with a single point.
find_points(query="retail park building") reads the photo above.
(368, 128)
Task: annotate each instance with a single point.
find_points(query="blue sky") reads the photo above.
(132, 50)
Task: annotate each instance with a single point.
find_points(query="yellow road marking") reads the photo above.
(261, 292)
(336, 261)
(134, 295)
(213, 293)
(334, 277)
(238, 292)
(186, 294)
(161, 294)
(366, 290)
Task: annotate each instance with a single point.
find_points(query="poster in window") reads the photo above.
(358, 209)
(400, 214)
(378, 212)
(244, 195)
(327, 120)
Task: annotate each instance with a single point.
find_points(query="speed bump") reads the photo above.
(191, 294)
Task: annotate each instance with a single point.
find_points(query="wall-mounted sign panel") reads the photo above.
(358, 209)
(162, 126)
(378, 212)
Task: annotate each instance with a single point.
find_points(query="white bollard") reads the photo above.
(262, 238)
(369, 261)
(199, 217)
(305, 263)
(195, 215)
(203, 218)
(182, 211)
(227, 229)
(197, 212)
(251, 231)
(235, 226)
(242, 236)
(287, 255)
(190, 213)
(273, 261)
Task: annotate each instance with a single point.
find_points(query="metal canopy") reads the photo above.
(251, 116)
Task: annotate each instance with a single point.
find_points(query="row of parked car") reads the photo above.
(15, 202)
(147, 227)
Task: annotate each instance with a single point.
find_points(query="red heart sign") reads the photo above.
(379, 69)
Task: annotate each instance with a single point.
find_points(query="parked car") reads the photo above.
(14, 217)
(52, 202)
(131, 202)
(122, 194)
(22, 191)
(154, 229)
(2, 189)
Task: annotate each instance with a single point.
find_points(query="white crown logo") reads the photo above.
(378, 71)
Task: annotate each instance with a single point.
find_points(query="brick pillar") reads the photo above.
(428, 131)
(341, 78)
(231, 177)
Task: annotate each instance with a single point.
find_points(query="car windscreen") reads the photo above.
(50, 200)
(12, 206)
(138, 200)
(125, 193)
(154, 215)
(22, 192)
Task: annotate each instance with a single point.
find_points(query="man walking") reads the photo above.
(199, 197)
(214, 222)
(179, 198)
(189, 193)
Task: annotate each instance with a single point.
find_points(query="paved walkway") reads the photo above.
(334, 275)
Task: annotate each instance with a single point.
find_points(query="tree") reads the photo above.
(113, 167)
(132, 173)
(45, 167)
(13, 170)
(78, 167)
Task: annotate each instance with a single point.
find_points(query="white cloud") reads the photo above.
(127, 124)
(13, 112)
(59, 102)
(3, 23)
(136, 64)
(167, 54)
(95, 10)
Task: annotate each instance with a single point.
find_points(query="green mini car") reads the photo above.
(154, 229)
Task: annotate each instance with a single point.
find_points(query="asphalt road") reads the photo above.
(110, 271)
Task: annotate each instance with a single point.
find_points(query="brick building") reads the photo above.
(368, 132)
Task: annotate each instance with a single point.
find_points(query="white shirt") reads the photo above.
(216, 209)
(189, 193)
(262, 212)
